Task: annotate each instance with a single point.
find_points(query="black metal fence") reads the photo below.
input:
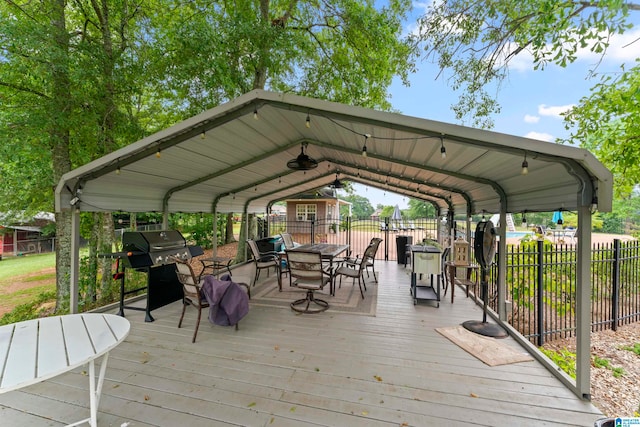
(540, 275)
(358, 233)
(541, 285)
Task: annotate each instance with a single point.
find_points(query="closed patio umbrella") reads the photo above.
(396, 216)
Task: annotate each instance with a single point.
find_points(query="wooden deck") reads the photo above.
(285, 369)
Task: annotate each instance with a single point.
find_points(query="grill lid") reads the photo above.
(153, 241)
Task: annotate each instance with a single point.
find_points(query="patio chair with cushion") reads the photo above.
(310, 273)
(264, 261)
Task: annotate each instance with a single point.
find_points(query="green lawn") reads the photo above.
(25, 270)
(21, 265)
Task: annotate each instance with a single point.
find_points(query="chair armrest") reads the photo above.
(330, 270)
(352, 261)
(268, 256)
(247, 287)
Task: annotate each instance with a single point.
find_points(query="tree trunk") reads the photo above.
(105, 245)
(90, 276)
(229, 237)
(59, 142)
(63, 259)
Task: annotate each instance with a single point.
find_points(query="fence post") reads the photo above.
(313, 232)
(349, 233)
(386, 239)
(540, 293)
(615, 293)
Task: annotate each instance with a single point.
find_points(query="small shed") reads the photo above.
(21, 235)
(320, 209)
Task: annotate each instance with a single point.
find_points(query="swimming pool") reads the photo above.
(518, 234)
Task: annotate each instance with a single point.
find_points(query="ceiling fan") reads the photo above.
(336, 183)
(302, 162)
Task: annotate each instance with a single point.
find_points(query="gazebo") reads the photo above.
(245, 155)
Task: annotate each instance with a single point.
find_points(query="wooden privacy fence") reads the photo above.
(541, 285)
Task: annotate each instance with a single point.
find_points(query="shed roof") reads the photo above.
(236, 154)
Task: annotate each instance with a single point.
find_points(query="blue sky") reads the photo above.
(531, 100)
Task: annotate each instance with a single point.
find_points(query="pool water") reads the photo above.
(518, 234)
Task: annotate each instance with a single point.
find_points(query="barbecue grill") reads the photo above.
(153, 252)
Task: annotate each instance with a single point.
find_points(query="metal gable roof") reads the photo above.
(235, 155)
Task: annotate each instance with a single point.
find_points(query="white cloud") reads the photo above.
(528, 118)
(622, 48)
(422, 6)
(541, 136)
(522, 62)
(554, 110)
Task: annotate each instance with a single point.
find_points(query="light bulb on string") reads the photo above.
(525, 165)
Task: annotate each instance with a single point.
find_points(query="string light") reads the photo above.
(203, 135)
(158, 153)
(118, 170)
(307, 122)
(364, 147)
(255, 113)
(443, 151)
(525, 165)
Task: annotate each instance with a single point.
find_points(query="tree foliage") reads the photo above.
(477, 40)
(360, 206)
(81, 78)
(607, 123)
(420, 209)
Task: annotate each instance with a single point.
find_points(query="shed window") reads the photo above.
(306, 212)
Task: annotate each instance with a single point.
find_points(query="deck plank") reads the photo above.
(329, 369)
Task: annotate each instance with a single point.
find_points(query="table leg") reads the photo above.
(95, 391)
(452, 280)
(332, 285)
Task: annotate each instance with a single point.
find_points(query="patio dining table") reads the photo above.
(36, 350)
(329, 251)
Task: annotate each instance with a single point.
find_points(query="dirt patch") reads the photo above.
(23, 282)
